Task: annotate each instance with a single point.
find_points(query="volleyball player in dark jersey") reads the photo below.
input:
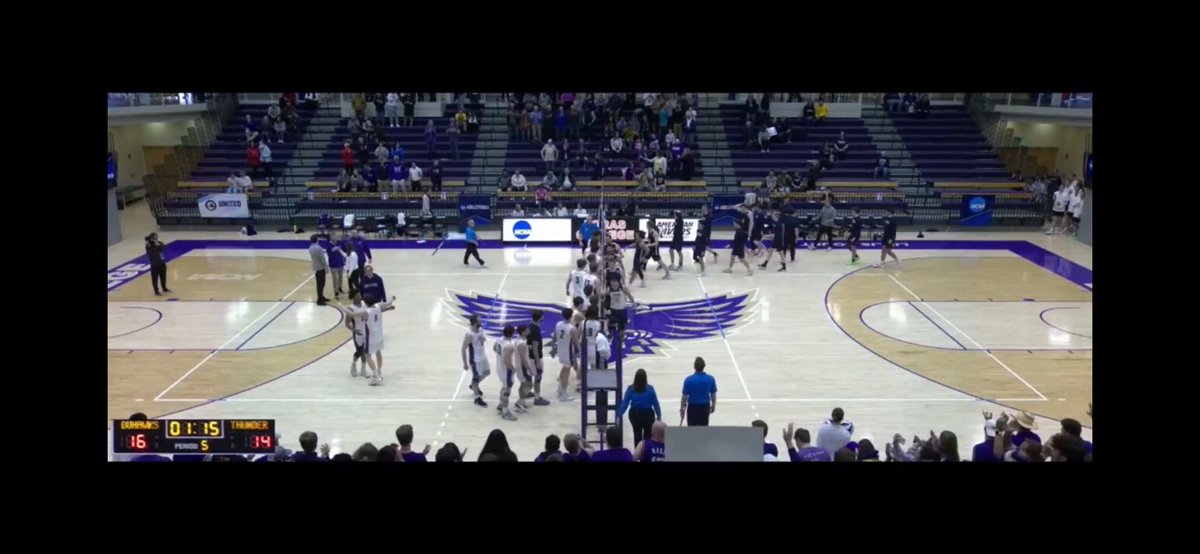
(677, 240)
(706, 228)
(770, 227)
(854, 235)
(889, 239)
(652, 245)
(785, 237)
(741, 234)
(701, 244)
(757, 222)
(639, 257)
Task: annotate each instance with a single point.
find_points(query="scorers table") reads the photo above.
(194, 436)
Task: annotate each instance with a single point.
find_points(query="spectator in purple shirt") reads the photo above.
(308, 445)
(768, 448)
(404, 436)
(552, 447)
(431, 138)
(576, 450)
(560, 124)
(1075, 429)
(799, 447)
(1064, 447)
(496, 448)
(983, 452)
(1025, 425)
(614, 452)
(1005, 446)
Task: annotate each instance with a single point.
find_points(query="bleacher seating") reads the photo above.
(655, 204)
(412, 139)
(947, 146)
(754, 165)
(527, 157)
(228, 152)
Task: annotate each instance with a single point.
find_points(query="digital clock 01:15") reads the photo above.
(194, 429)
(194, 436)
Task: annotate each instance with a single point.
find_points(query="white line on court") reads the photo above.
(968, 337)
(729, 349)
(234, 337)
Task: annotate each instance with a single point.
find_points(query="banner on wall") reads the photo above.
(537, 229)
(977, 210)
(666, 228)
(224, 205)
(478, 207)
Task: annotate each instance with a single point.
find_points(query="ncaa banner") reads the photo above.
(977, 210)
(224, 205)
(536, 229)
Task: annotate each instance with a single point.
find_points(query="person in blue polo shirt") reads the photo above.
(587, 229)
(699, 396)
(642, 404)
(472, 244)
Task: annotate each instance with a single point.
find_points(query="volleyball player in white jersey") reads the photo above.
(475, 358)
(577, 279)
(1062, 198)
(1075, 208)
(505, 361)
(372, 316)
(358, 331)
(594, 340)
(525, 368)
(563, 348)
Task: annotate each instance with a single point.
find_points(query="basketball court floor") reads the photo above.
(970, 322)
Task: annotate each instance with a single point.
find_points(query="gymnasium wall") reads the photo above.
(1069, 143)
(141, 146)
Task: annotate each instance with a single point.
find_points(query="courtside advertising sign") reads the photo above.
(666, 228)
(224, 205)
(529, 230)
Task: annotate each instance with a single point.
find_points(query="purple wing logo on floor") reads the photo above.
(648, 323)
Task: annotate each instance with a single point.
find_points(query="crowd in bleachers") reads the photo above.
(373, 160)
(648, 138)
(1008, 438)
(280, 124)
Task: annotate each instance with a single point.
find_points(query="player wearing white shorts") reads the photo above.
(475, 358)
(372, 317)
(563, 348)
(593, 339)
(577, 279)
(1075, 208)
(525, 369)
(505, 348)
(1062, 197)
(358, 332)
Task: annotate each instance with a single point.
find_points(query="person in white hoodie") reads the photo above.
(392, 109)
(550, 154)
(518, 181)
(835, 432)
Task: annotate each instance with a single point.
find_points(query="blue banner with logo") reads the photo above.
(977, 209)
(477, 206)
(724, 208)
